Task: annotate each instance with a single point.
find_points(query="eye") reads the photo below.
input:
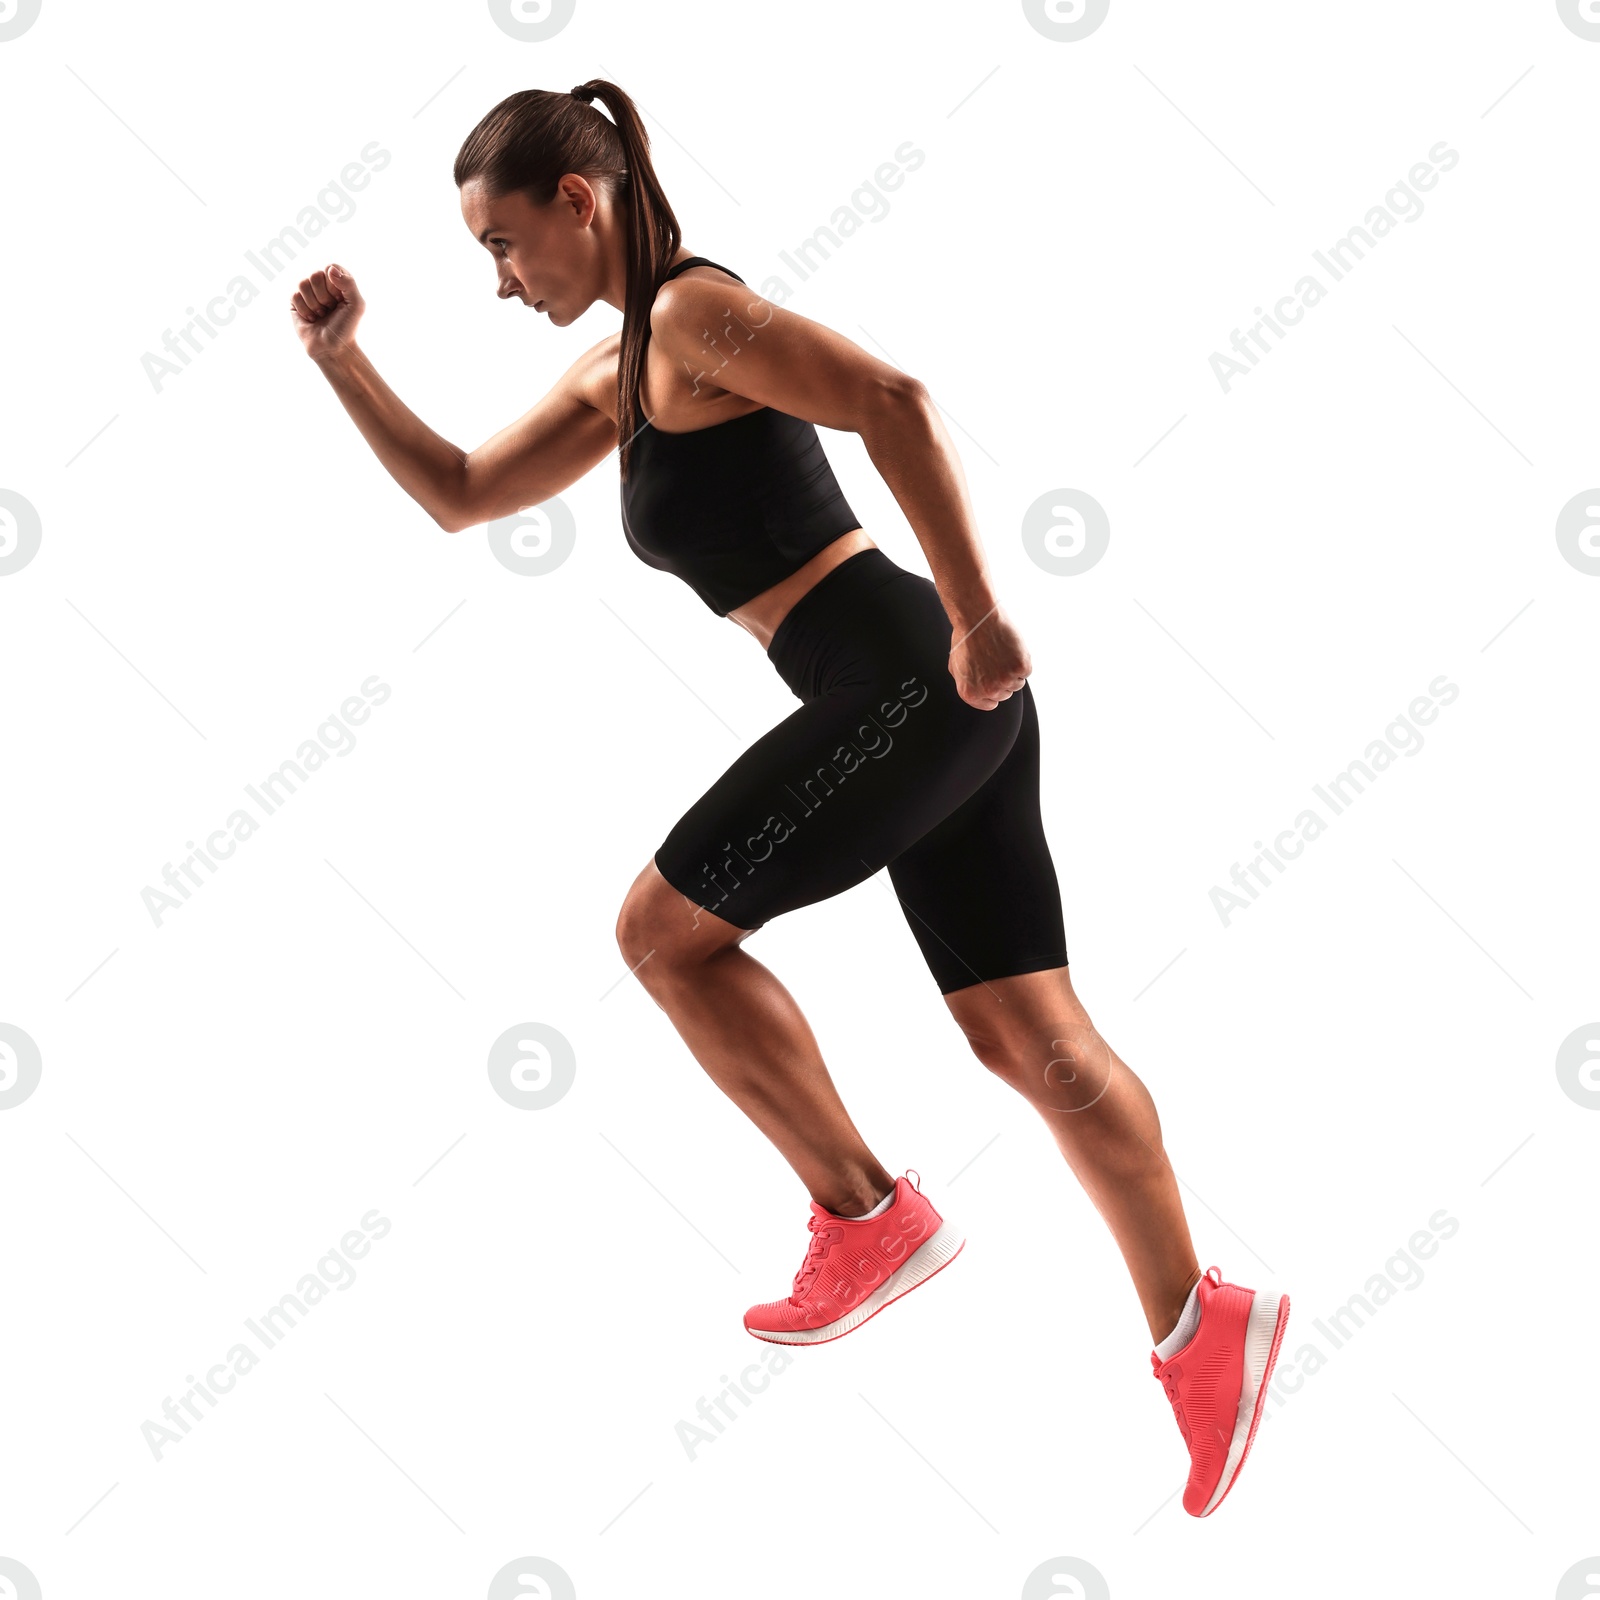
(500, 244)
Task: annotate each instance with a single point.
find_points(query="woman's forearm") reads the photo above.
(909, 446)
(429, 468)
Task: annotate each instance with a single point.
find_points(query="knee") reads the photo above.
(1001, 1049)
(993, 1049)
(1067, 1066)
(656, 926)
(636, 924)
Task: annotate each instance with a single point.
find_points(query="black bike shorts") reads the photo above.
(883, 765)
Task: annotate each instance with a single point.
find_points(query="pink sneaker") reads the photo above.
(856, 1266)
(1215, 1381)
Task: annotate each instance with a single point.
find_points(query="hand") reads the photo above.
(325, 310)
(990, 663)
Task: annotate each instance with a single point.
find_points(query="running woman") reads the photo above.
(915, 745)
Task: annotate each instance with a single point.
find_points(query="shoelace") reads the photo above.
(820, 1241)
(814, 1254)
(1171, 1388)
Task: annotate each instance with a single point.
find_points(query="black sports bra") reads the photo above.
(736, 507)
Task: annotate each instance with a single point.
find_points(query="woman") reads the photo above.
(915, 746)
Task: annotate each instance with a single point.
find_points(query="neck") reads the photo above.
(616, 285)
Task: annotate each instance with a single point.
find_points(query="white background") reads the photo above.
(223, 563)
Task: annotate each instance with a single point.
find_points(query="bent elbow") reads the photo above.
(899, 393)
(455, 518)
(912, 391)
(894, 399)
(451, 509)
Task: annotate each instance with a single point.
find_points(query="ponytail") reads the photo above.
(653, 240)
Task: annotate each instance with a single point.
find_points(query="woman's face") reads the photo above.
(539, 251)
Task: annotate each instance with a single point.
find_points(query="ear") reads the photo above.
(576, 192)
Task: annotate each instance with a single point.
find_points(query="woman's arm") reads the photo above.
(784, 360)
(911, 449)
(537, 456)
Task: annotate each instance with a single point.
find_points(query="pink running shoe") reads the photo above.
(1215, 1381)
(855, 1266)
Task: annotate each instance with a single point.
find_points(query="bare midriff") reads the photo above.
(760, 617)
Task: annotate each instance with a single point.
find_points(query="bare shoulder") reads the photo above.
(728, 336)
(703, 318)
(701, 299)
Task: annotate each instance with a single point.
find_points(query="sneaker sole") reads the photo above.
(932, 1256)
(1269, 1316)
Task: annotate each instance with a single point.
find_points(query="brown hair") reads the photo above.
(525, 145)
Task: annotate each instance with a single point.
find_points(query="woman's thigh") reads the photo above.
(847, 782)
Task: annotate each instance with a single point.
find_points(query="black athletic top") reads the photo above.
(736, 507)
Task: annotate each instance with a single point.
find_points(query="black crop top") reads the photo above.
(736, 507)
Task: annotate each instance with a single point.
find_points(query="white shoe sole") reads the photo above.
(927, 1259)
(1269, 1314)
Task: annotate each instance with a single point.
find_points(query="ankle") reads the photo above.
(1164, 1320)
(858, 1198)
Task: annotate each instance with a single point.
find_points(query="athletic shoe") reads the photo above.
(856, 1265)
(1215, 1382)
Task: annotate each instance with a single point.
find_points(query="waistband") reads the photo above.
(859, 574)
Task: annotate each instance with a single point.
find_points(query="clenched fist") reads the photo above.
(990, 663)
(325, 310)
